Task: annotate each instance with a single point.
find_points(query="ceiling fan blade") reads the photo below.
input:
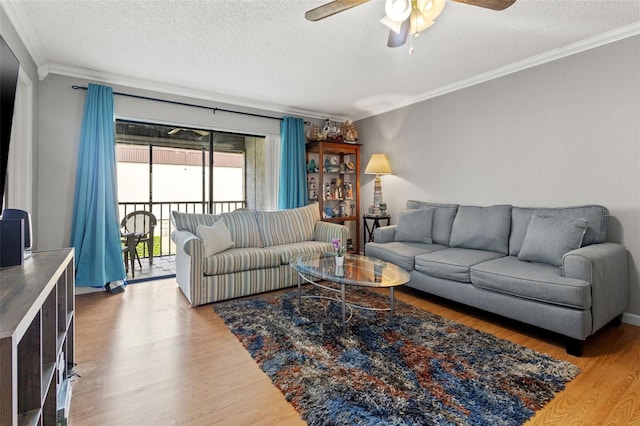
(399, 39)
(331, 8)
(489, 4)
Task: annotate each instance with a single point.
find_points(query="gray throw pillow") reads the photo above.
(482, 228)
(414, 225)
(443, 215)
(549, 238)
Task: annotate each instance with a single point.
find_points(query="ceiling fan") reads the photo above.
(403, 17)
(179, 129)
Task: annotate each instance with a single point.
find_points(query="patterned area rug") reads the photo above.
(421, 369)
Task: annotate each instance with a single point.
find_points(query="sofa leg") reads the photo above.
(574, 346)
(616, 322)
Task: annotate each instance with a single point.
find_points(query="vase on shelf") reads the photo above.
(340, 261)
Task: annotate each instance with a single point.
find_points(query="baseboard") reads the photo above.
(632, 319)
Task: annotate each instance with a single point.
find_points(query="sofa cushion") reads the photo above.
(288, 226)
(482, 228)
(549, 238)
(215, 238)
(596, 217)
(443, 217)
(414, 225)
(453, 263)
(240, 259)
(243, 227)
(399, 253)
(535, 281)
(190, 221)
(288, 252)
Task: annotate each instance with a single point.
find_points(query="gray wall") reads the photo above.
(559, 134)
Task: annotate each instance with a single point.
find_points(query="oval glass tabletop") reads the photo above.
(357, 270)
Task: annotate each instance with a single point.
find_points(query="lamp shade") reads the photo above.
(378, 165)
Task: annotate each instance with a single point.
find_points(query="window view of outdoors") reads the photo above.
(164, 168)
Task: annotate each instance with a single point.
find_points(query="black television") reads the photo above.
(9, 67)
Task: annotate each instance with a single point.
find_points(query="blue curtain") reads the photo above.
(95, 230)
(293, 170)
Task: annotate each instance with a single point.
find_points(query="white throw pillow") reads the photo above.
(215, 238)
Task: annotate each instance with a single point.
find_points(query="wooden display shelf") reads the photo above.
(320, 151)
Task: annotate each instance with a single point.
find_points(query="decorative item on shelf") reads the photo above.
(383, 208)
(349, 131)
(313, 195)
(378, 165)
(312, 167)
(351, 166)
(349, 191)
(327, 127)
(327, 191)
(328, 212)
(352, 207)
(331, 132)
(312, 132)
(339, 191)
(327, 164)
(343, 167)
(333, 166)
(343, 209)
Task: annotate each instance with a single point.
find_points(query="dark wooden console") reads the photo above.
(37, 302)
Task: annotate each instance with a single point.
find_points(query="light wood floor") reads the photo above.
(147, 358)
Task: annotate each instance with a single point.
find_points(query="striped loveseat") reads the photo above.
(258, 261)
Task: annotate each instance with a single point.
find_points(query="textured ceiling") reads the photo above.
(265, 54)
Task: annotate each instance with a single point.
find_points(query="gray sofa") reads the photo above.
(548, 267)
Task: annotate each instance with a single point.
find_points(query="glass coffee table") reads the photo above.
(360, 271)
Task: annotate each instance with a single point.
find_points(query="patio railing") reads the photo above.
(163, 246)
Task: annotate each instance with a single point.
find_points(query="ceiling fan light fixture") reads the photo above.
(433, 9)
(398, 10)
(391, 24)
(418, 23)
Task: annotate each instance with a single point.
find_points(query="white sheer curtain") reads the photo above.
(272, 172)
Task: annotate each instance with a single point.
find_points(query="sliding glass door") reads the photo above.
(164, 168)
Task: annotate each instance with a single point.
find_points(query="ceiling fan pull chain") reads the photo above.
(411, 49)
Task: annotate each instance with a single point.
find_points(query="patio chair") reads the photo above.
(141, 223)
(128, 253)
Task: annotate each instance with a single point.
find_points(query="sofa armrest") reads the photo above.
(605, 267)
(185, 240)
(384, 234)
(326, 231)
(189, 265)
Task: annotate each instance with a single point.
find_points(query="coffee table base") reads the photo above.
(343, 300)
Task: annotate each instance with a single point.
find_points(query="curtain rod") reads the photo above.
(214, 109)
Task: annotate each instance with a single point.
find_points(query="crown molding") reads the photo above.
(552, 55)
(17, 16)
(154, 86)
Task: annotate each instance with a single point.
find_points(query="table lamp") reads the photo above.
(378, 165)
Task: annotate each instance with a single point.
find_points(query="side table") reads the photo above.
(375, 218)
